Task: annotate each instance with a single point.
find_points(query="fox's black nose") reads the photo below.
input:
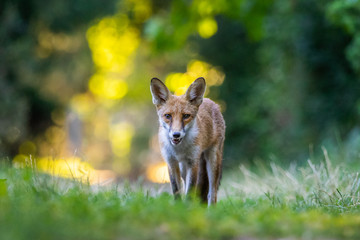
(176, 134)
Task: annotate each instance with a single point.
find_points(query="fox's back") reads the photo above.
(210, 123)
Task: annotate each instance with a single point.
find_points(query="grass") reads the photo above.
(318, 201)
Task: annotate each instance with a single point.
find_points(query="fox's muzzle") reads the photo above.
(176, 135)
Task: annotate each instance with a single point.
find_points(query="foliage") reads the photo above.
(345, 14)
(44, 61)
(284, 72)
(318, 201)
(291, 88)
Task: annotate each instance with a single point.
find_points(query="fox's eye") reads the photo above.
(186, 116)
(167, 116)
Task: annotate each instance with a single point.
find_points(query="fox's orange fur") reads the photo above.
(191, 135)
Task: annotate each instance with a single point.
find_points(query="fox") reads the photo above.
(191, 137)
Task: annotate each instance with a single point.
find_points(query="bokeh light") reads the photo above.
(107, 87)
(179, 82)
(68, 168)
(98, 123)
(27, 148)
(73, 168)
(112, 41)
(82, 104)
(49, 42)
(141, 8)
(120, 137)
(207, 27)
(158, 173)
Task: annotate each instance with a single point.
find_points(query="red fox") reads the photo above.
(191, 136)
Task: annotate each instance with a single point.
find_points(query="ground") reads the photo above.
(316, 201)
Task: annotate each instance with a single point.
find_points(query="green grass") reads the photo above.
(313, 202)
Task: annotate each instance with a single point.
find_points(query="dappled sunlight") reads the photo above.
(158, 173)
(179, 82)
(207, 27)
(67, 168)
(112, 41)
(107, 87)
(49, 42)
(120, 137)
(82, 104)
(204, 7)
(99, 124)
(55, 134)
(72, 168)
(141, 8)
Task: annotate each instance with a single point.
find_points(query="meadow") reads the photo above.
(74, 87)
(313, 201)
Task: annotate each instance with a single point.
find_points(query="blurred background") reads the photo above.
(74, 80)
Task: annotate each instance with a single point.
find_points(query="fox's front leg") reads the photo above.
(192, 171)
(175, 178)
(213, 167)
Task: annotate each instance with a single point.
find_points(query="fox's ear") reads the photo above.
(160, 93)
(195, 92)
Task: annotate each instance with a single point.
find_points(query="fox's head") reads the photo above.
(177, 114)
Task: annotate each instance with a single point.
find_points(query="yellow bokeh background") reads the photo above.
(207, 27)
(179, 82)
(100, 127)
